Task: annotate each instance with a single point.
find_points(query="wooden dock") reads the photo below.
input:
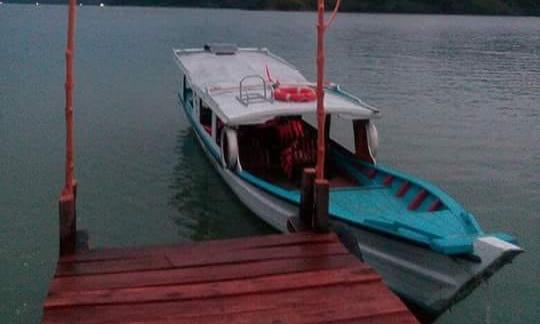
(291, 278)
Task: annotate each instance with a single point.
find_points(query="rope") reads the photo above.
(333, 16)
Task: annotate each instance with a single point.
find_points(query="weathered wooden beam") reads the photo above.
(68, 222)
(320, 221)
(67, 225)
(327, 126)
(307, 203)
(68, 196)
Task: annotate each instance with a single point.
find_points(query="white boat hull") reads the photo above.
(429, 280)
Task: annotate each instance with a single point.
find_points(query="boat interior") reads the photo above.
(277, 151)
(361, 192)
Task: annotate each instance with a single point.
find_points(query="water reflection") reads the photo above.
(207, 207)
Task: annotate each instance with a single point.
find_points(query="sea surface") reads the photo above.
(460, 99)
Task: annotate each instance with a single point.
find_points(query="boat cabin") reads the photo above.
(251, 110)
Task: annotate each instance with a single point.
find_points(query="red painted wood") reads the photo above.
(321, 115)
(299, 280)
(185, 258)
(113, 266)
(436, 204)
(267, 284)
(339, 309)
(372, 298)
(238, 256)
(204, 274)
(68, 195)
(196, 247)
(70, 49)
(418, 199)
(331, 313)
(403, 189)
(388, 180)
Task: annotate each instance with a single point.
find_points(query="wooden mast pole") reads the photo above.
(321, 116)
(322, 25)
(67, 203)
(322, 187)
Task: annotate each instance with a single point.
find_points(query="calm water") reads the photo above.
(461, 106)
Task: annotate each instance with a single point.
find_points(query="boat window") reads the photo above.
(341, 131)
(219, 130)
(187, 92)
(361, 142)
(180, 86)
(205, 117)
(278, 149)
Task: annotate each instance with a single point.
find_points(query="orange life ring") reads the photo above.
(295, 94)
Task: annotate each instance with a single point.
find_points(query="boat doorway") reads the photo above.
(278, 150)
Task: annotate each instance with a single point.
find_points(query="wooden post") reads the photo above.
(320, 221)
(304, 221)
(327, 125)
(67, 205)
(68, 222)
(321, 116)
(307, 206)
(321, 191)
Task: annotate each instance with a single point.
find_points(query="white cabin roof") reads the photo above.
(215, 77)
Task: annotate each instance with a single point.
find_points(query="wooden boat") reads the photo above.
(427, 247)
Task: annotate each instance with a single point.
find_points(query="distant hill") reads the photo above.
(485, 7)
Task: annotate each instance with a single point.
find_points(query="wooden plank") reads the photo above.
(332, 313)
(296, 278)
(262, 241)
(113, 266)
(274, 283)
(196, 258)
(370, 298)
(203, 274)
(237, 256)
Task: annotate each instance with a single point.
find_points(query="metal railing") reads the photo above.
(252, 94)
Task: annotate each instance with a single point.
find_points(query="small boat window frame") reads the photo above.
(218, 126)
(206, 118)
(186, 89)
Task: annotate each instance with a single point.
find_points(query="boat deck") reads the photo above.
(293, 278)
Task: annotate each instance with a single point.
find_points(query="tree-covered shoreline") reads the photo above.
(476, 7)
